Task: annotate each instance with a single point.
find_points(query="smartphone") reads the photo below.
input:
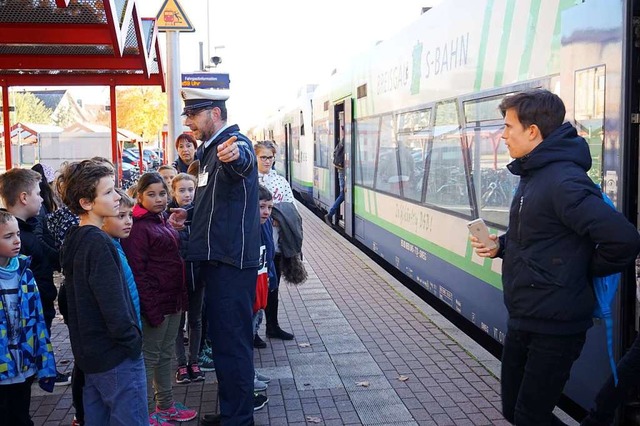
(479, 229)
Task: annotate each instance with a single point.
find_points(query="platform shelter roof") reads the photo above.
(77, 42)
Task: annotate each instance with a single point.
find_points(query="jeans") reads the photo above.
(535, 368)
(14, 403)
(194, 320)
(117, 397)
(77, 386)
(610, 395)
(158, 347)
(257, 320)
(336, 204)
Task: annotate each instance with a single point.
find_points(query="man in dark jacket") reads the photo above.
(561, 233)
(225, 239)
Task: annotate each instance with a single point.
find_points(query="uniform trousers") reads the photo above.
(229, 296)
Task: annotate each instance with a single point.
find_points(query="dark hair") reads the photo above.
(223, 112)
(185, 137)
(148, 179)
(264, 194)
(48, 197)
(265, 145)
(540, 107)
(79, 180)
(16, 181)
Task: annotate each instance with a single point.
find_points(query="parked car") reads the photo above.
(130, 175)
(151, 157)
(129, 156)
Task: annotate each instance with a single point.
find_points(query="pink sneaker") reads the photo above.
(156, 420)
(177, 413)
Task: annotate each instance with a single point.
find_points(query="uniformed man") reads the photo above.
(225, 238)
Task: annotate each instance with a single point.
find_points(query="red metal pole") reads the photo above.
(114, 131)
(7, 128)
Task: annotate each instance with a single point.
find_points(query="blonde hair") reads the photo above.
(180, 177)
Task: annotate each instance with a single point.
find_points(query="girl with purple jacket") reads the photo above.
(153, 251)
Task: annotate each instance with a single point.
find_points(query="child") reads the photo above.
(117, 227)
(105, 337)
(24, 343)
(20, 192)
(168, 173)
(266, 274)
(184, 186)
(153, 250)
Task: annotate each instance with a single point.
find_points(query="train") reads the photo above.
(423, 148)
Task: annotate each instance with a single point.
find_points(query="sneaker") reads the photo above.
(62, 379)
(259, 386)
(76, 422)
(211, 420)
(278, 333)
(327, 219)
(182, 375)
(156, 420)
(195, 373)
(205, 362)
(259, 401)
(258, 342)
(262, 377)
(206, 348)
(177, 413)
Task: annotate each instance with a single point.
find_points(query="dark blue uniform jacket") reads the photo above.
(561, 234)
(226, 221)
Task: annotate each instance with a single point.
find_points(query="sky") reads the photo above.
(273, 48)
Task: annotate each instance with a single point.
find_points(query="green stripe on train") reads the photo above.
(482, 272)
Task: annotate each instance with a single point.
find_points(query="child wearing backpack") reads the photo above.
(153, 251)
(103, 327)
(24, 341)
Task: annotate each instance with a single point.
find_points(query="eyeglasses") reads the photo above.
(265, 158)
(191, 115)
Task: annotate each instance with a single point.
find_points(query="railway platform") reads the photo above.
(366, 352)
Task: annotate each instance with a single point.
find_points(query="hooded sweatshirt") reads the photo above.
(561, 233)
(103, 325)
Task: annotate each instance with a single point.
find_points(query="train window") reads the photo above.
(446, 179)
(493, 183)
(322, 144)
(483, 109)
(413, 136)
(388, 175)
(366, 149)
(589, 114)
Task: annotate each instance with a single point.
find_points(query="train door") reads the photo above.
(288, 153)
(349, 149)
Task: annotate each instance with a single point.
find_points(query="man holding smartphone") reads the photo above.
(561, 233)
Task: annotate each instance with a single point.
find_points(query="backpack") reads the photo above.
(605, 291)
(338, 155)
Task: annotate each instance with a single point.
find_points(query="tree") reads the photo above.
(29, 109)
(142, 110)
(65, 116)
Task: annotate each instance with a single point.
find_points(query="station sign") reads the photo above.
(206, 80)
(172, 18)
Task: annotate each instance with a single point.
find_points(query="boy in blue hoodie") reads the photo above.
(25, 348)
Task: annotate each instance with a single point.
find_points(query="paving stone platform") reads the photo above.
(366, 352)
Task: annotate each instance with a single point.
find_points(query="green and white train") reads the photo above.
(424, 153)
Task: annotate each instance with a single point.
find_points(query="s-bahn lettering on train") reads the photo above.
(451, 55)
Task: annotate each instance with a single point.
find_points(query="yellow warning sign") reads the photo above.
(173, 18)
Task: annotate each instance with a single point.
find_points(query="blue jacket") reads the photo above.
(266, 231)
(226, 220)
(561, 233)
(128, 278)
(34, 339)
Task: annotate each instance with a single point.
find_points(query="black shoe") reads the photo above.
(258, 342)
(210, 420)
(327, 219)
(62, 379)
(278, 333)
(259, 401)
